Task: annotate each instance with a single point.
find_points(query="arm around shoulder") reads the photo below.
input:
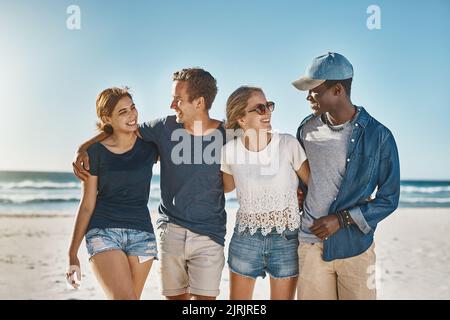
(80, 163)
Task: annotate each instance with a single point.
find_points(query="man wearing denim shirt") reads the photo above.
(351, 154)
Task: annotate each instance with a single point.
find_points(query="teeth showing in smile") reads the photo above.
(132, 123)
(266, 121)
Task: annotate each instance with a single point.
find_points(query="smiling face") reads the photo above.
(321, 99)
(124, 117)
(329, 95)
(185, 110)
(253, 120)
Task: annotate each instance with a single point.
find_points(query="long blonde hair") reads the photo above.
(236, 104)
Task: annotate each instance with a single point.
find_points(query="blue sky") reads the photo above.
(50, 75)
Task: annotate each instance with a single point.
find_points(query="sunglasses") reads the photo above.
(262, 108)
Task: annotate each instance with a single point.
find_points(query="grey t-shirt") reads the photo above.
(191, 182)
(326, 151)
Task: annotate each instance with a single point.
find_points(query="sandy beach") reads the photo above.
(412, 248)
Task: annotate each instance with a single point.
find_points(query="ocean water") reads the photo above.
(59, 193)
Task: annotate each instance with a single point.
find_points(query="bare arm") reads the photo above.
(85, 210)
(228, 182)
(303, 172)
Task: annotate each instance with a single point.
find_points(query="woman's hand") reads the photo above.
(74, 268)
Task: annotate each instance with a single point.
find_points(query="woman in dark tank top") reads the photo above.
(113, 214)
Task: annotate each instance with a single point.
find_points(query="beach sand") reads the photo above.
(412, 247)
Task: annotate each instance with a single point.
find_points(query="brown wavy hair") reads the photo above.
(106, 103)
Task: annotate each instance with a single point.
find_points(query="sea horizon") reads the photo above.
(59, 192)
(70, 172)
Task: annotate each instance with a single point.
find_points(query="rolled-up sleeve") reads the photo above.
(386, 200)
(359, 220)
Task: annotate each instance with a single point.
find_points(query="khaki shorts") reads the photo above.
(190, 263)
(341, 279)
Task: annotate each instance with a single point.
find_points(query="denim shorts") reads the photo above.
(254, 255)
(132, 242)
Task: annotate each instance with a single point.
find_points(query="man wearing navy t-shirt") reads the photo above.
(192, 217)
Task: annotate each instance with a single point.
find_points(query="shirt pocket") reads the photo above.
(362, 168)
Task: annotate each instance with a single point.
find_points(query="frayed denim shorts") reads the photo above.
(255, 255)
(133, 242)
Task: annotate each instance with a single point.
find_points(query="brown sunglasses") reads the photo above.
(262, 108)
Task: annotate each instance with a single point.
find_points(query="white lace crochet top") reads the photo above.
(266, 183)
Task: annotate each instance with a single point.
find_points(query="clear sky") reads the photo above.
(50, 75)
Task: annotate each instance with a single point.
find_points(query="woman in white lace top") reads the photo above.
(264, 167)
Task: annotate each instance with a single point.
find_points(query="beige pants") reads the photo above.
(342, 279)
(190, 263)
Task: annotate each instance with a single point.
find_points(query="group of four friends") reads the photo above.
(343, 165)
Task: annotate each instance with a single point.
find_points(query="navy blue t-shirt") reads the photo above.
(191, 182)
(123, 186)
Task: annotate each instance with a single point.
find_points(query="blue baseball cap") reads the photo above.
(330, 66)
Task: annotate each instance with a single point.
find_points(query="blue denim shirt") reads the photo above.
(372, 162)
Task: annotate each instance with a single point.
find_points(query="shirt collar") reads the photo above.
(362, 118)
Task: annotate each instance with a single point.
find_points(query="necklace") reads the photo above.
(333, 128)
(339, 127)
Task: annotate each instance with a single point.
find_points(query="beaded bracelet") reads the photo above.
(340, 219)
(344, 218)
(347, 218)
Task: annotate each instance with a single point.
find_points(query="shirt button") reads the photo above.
(334, 199)
(356, 125)
(348, 160)
(353, 140)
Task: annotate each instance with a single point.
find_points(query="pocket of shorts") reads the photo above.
(162, 231)
(241, 234)
(139, 235)
(291, 235)
(91, 232)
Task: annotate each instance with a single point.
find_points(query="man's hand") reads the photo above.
(325, 227)
(80, 165)
(300, 198)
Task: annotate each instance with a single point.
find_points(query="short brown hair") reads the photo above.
(347, 84)
(236, 104)
(200, 83)
(106, 103)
